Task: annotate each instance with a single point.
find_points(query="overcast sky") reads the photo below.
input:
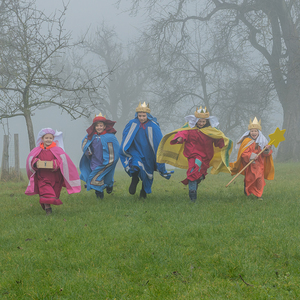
(79, 16)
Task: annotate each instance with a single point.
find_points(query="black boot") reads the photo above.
(143, 194)
(193, 195)
(109, 189)
(200, 179)
(99, 194)
(134, 181)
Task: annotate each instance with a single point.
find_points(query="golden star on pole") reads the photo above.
(276, 137)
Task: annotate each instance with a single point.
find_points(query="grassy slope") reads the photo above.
(163, 247)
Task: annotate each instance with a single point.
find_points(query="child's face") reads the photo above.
(254, 133)
(142, 117)
(201, 123)
(47, 139)
(100, 127)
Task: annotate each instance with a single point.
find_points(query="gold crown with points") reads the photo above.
(255, 124)
(201, 113)
(143, 108)
(99, 118)
(100, 115)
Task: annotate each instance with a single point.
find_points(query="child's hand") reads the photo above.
(180, 139)
(268, 147)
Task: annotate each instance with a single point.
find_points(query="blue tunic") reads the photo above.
(138, 149)
(100, 176)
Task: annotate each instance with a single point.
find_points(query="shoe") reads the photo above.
(99, 194)
(109, 189)
(200, 179)
(143, 194)
(245, 189)
(134, 181)
(260, 198)
(48, 211)
(193, 195)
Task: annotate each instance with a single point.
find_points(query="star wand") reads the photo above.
(275, 139)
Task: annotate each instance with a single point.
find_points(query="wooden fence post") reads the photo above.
(17, 158)
(5, 159)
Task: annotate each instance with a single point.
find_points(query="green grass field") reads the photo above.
(225, 246)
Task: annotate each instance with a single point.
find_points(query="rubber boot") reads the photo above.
(143, 194)
(134, 181)
(193, 195)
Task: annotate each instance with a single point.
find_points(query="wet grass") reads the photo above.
(226, 245)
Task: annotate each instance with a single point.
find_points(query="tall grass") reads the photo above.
(225, 246)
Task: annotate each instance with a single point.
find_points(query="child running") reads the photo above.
(250, 144)
(100, 155)
(196, 146)
(49, 168)
(141, 138)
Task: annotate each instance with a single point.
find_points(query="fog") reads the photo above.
(80, 16)
(177, 69)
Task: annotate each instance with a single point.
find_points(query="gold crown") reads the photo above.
(255, 124)
(143, 108)
(100, 115)
(201, 113)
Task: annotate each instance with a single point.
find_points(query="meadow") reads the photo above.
(224, 246)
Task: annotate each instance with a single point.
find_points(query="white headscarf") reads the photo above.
(260, 140)
(58, 137)
(193, 120)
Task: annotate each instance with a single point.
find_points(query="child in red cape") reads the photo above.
(48, 182)
(196, 146)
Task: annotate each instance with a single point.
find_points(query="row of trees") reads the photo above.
(264, 31)
(193, 53)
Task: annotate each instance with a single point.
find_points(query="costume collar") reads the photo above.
(49, 147)
(103, 132)
(142, 125)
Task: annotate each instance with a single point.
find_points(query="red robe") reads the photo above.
(258, 171)
(197, 147)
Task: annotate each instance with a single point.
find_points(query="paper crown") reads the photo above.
(143, 108)
(201, 113)
(99, 118)
(255, 124)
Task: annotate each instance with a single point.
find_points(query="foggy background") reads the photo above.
(173, 64)
(80, 16)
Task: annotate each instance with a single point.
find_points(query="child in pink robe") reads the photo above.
(49, 182)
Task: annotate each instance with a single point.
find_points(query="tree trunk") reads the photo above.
(29, 129)
(290, 148)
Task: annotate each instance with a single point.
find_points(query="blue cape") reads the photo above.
(143, 157)
(103, 175)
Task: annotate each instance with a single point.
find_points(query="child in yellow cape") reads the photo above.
(196, 146)
(251, 143)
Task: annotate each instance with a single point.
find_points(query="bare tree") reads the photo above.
(270, 27)
(203, 70)
(33, 74)
(124, 88)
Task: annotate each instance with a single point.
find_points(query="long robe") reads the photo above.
(101, 176)
(49, 182)
(139, 147)
(255, 173)
(199, 151)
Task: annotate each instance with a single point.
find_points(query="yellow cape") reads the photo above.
(173, 154)
(237, 166)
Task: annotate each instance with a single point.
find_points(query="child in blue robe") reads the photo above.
(100, 155)
(140, 141)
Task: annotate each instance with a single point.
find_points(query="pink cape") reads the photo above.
(66, 166)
